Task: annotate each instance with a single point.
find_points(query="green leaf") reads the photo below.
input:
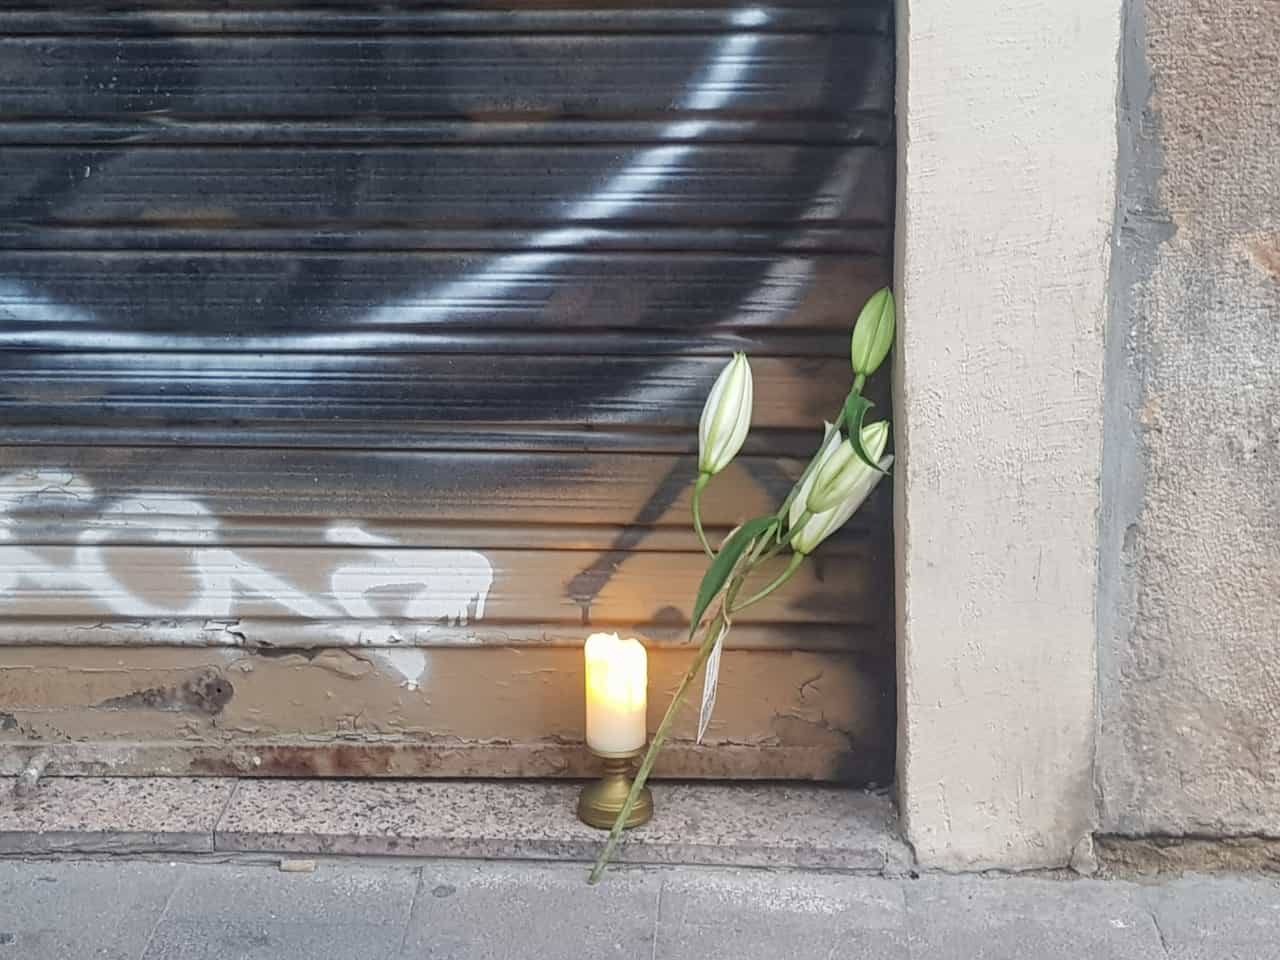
(721, 567)
(855, 411)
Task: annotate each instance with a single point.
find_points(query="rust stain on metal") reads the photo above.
(329, 760)
(682, 759)
(476, 711)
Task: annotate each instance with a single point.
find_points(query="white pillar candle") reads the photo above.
(617, 681)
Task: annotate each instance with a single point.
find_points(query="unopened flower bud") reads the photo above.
(726, 416)
(844, 469)
(873, 333)
(819, 526)
(831, 441)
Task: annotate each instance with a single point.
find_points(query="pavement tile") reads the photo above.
(247, 940)
(258, 894)
(230, 911)
(698, 896)
(744, 915)
(1218, 917)
(700, 823)
(981, 918)
(785, 943)
(114, 815)
(477, 911)
(77, 911)
(473, 910)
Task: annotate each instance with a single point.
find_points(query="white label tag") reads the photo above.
(709, 684)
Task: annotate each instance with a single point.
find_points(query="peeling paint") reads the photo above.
(208, 693)
(410, 663)
(481, 705)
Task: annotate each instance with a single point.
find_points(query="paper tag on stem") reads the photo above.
(709, 681)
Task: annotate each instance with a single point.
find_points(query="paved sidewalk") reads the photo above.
(362, 910)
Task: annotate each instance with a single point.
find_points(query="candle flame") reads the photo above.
(617, 670)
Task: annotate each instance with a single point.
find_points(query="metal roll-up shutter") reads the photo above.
(350, 366)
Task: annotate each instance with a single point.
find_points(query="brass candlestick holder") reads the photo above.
(602, 800)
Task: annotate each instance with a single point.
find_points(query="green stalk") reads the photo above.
(646, 766)
(792, 566)
(812, 465)
(772, 552)
(698, 487)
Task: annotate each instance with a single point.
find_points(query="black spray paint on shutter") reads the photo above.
(460, 276)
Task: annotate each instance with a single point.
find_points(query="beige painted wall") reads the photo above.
(1190, 587)
(1007, 132)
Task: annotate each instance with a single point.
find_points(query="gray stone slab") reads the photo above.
(775, 826)
(787, 942)
(479, 911)
(744, 915)
(472, 910)
(113, 815)
(334, 894)
(246, 940)
(1218, 918)
(979, 918)
(778, 825)
(225, 911)
(59, 911)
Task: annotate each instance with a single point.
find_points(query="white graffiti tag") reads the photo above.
(454, 585)
(223, 575)
(434, 586)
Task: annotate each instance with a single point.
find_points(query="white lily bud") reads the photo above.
(726, 416)
(873, 333)
(844, 469)
(822, 525)
(830, 443)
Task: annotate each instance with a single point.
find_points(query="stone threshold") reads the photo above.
(713, 824)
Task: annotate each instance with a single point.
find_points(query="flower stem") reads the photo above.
(646, 766)
(698, 487)
(792, 566)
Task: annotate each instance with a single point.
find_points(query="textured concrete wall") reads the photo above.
(1189, 597)
(1007, 148)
